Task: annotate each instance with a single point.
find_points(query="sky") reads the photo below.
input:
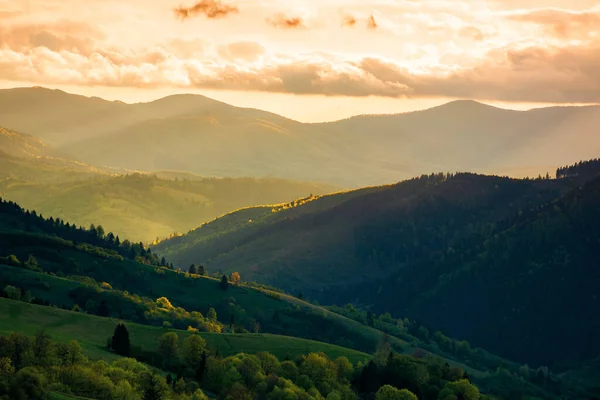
(311, 60)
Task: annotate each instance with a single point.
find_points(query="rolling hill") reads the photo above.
(145, 207)
(197, 134)
(137, 206)
(405, 249)
(54, 263)
(20, 144)
(91, 332)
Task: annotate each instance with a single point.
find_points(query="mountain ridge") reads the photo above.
(201, 135)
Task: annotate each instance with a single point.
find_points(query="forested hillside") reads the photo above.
(404, 249)
(53, 263)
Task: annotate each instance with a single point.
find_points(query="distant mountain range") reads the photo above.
(201, 135)
(493, 260)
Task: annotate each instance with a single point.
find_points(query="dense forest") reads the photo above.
(34, 367)
(405, 249)
(52, 266)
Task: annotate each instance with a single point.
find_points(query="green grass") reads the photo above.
(92, 332)
(61, 396)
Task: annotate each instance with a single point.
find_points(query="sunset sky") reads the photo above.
(308, 59)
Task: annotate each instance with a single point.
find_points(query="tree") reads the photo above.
(462, 389)
(193, 349)
(42, 348)
(33, 264)
(370, 318)
(387, 392)
(224, 283)
(20, 350)
(103, 309)
(236, 278)
(211, 315)
(100, 231)
(153, 386)
(124, 391)
(384, 349)
(168, 348)
(193, 270)
(120, 341)
(201, 270)
(12, 292)
(27, 384)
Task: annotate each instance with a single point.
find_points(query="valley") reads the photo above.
(448, 276)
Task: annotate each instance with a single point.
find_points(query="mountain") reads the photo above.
(144, 207)
(405, 249)
(58, 117)
(20, 144)
(204, 136)
(54, 264)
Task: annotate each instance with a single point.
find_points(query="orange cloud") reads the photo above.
(282, 21)
(246, 51)
(59, 54)
(562, 23)
(210, 8)
(371, 23)
(349, 21)
(471, 32)
(61, 35)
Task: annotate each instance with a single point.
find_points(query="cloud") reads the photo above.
(471, 32)
(210, 8)
(283, 21)
(61, 35)
(349, 21)
(63, 53)
(244, 51)
(562, 24)
(371, 23)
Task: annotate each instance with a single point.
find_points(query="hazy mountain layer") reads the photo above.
(194, 133)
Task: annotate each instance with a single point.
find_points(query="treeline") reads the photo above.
(104, 301)
(310, 377)
(588, 169)
(30, 221)
(34, 367)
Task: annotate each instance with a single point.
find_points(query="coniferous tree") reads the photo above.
(192, 270)
(120, 341)
(103, 309)
(201, 270)
(224, 282)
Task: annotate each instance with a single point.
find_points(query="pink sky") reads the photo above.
(308, 59)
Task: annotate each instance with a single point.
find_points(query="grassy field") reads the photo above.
(60, 396)
(92, 333)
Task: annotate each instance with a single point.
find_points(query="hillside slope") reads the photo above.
(428, 246)
(339, 240)
(144, 207)
(91, 332)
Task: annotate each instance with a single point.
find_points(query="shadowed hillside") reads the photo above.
(428, 247)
